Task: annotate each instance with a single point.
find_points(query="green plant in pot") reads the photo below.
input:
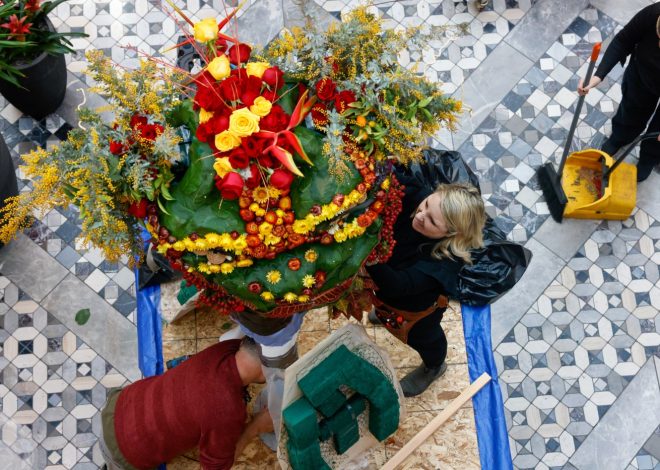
(32, 65)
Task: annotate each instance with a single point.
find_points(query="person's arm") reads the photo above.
(259, 424)
(401, 283)
(622, 45)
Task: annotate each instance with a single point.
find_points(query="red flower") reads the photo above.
(230, 89)
(254, 179)
(231, 186)
(270, 95)
(220, 46)
(239, 53)
(250, 90)
(33, 5)
(253, 146)
(325, 89)
(239, 158)
(17, 28)
(218, 123)
(319, 114)
(138, 209)
(137, 121)
(266, 160)
(116, 148)
(343, 99)
(277, 120)
(281, 179)
(151, 131)
(274, 77)
(254, 287)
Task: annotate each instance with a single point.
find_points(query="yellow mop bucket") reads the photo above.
(594, 190)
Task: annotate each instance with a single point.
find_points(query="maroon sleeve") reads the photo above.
(217, 446)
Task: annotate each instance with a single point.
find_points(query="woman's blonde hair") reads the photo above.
(465, 216)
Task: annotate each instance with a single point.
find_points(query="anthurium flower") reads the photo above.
(257, 68)
(219, 67)
(243, 123)
(206, 30)
(17, 28)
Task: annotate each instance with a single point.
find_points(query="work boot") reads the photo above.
(420, 378)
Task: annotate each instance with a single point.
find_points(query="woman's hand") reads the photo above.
(583, 90)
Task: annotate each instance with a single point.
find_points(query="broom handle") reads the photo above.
(595, 52)
(624, 151)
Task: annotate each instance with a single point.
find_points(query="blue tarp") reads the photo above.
(149, 327)
(492, 435)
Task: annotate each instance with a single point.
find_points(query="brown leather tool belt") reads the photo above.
(400, 322)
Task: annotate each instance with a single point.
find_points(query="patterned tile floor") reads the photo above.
(578, 365)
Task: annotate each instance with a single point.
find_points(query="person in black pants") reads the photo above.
(638, 110)
(435, 232)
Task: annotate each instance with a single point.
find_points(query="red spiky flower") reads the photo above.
(17, 28)
(33, 5)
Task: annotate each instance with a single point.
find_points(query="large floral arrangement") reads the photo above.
(288, 186)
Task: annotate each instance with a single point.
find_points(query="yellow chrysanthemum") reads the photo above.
(290, 297)
(226, 268)
(244, 263)
(311, 255)
(303, 298)
(274, 193)
(265, 228)
(302, 226)
(267, 296)
(260, 195)
(308, 281)
(215, 268)
(240, 244)
(273, 277)
(340, 236)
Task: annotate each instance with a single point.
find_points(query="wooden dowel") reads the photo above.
(436, 422)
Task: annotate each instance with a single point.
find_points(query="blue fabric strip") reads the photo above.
(492, 435)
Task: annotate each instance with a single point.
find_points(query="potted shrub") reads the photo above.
(32, 66)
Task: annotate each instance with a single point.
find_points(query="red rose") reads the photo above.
(266, 160)
(218, 123)
(116, 148)
(277, 120)
(270, 95)
(238, 158)
(343, 99)
(229, 89)
(239, 53)
(231, 186)
(220, 46)
(138, 209)
(319, 114)
(255, 177)
(281, 179)
(274, 77)
(251, 90)
(325, 89)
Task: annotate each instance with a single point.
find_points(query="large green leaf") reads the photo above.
(338, 261)
(318, 186)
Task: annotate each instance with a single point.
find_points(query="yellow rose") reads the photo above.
(243, 123)
(226, 141)
(204, 115)
(261, 106)
(206, 30)
(222, 166)
(219, 67)
(256, 68)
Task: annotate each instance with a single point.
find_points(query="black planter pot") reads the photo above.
(8, 182)
(44, 85)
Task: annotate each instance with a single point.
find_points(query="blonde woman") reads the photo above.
(434, 233)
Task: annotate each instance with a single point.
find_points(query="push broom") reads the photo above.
(549, 179)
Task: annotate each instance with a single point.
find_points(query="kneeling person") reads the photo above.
(198, 403)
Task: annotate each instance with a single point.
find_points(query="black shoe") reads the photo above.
(644, 170)
(420, 378)
(373, 318)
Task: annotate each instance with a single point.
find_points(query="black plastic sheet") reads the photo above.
(501, 263)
